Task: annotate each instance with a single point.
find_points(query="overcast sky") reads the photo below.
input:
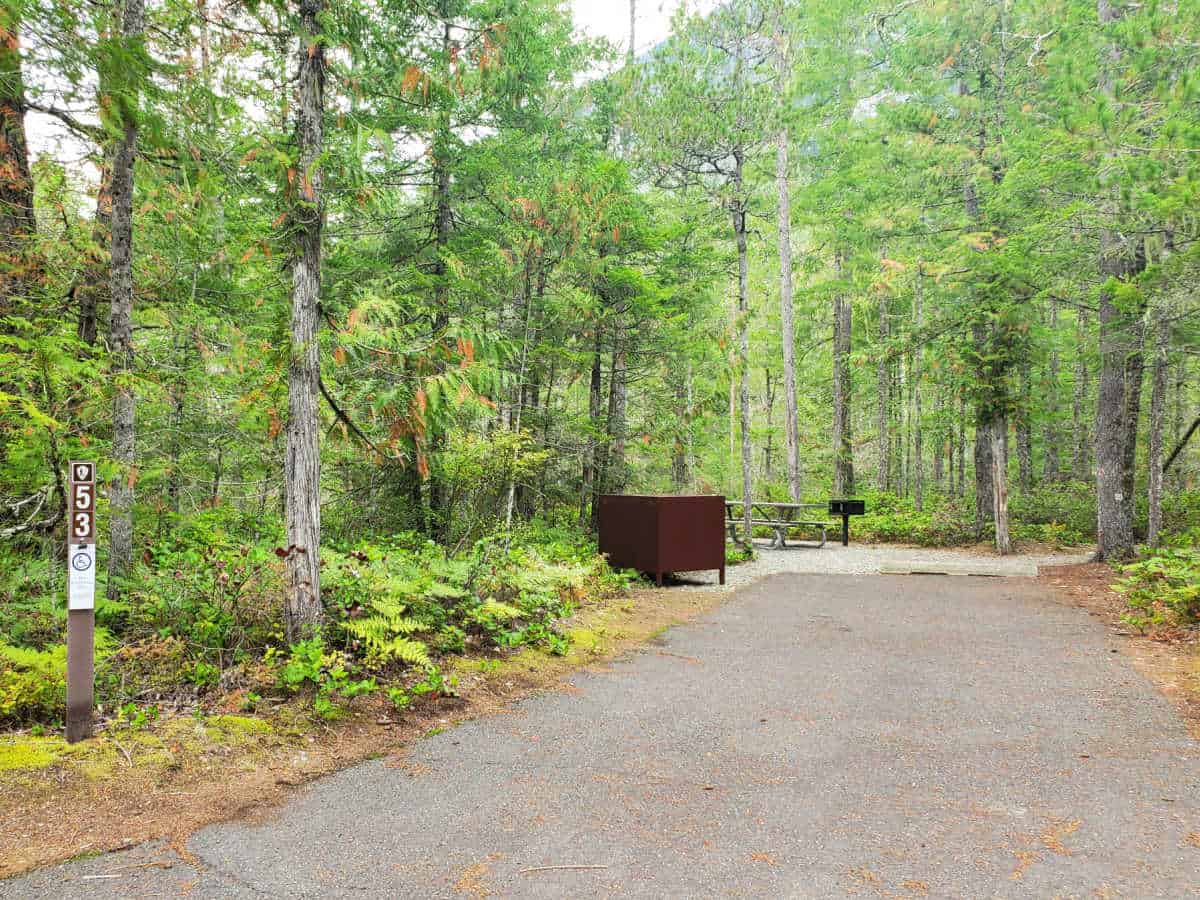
(610, 19)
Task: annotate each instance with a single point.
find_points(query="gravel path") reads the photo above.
(816, 736)
(874, 559)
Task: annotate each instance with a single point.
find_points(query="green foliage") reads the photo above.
(33, 685)
(944, 522)
(328, 675)
(1164, 585)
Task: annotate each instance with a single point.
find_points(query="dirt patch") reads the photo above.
(182, 773)
(1169, 657)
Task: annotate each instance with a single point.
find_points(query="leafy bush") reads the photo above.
(33, 683)
(328, 674)
(944, 522)
(1164, 586)
(1061, 513)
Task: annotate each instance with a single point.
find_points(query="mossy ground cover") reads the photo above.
(170, 776)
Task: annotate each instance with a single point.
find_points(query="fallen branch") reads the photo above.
(1183, 443)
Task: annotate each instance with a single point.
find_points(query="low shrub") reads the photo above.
(1163, 587)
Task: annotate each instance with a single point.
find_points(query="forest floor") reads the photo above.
(166, 783)
(815, 736)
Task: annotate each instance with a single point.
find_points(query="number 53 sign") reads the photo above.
(81, 537)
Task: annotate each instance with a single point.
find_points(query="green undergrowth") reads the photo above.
(199, 628)
(1163, 586)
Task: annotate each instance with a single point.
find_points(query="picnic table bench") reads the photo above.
(779, 517)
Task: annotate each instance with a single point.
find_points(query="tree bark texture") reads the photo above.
(843, 445)
(1052, 465)
(1158, 414)
(739, 228)
(303, 611)
(1114, 522)
(918, 465)
(883, 391)
(998, 437)
(120, 550)
(786, 320)
(1081, 459)
(17, 226)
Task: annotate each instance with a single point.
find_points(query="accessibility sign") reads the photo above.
(81, 599)
(81, 576)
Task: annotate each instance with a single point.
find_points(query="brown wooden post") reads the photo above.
(81, 598)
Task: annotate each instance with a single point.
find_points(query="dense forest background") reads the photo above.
(335, 290)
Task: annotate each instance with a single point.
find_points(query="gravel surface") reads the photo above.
(870, 559)
(816, 736)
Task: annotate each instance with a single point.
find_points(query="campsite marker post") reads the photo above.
(81, 598)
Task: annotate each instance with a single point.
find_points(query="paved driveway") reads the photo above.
(817, 736)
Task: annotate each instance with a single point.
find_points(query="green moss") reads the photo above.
(235, 730)
(26, 753)
(240, 724)
(587, 639)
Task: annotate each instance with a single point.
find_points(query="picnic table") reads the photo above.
(780, 518)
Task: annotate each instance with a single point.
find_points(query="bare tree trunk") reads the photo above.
(787, 326)
(1114, 525)
(940, 446)
(961, 444)
(918, 350)
(592, 473)
(1158, 409)
(843, 444)
(999, 479)
(769, 405)
(679, 455)
(1024, 431)
(1135, 370)
(739, 228)
(439, 511)
(303, 612)
(1051, 465)
(615, 474)
(1081, 461)
(120, 552)
(883, 439)
(17, 226)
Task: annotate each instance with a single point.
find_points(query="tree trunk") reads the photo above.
(17, 225)
(883, 440)
(1051, 465)
(303, 612)
(843, 444)
(440, 513)
(120, 552)
(961, 445)
(739, 228)
(1158, 409)
(1024, 431)
(615, 475)
(592, 487)
(1114, 524)
(769, 406)
(787, 326)
(679, 456)
(1135, 369)
(917, 436)
(1081, 461)
(999, 461)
